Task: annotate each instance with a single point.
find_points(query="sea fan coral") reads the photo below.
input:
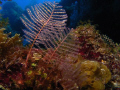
(48, 29)
(51, 32)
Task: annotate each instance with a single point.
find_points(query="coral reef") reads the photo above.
(72, 59)
(66, 73)
(100, 48)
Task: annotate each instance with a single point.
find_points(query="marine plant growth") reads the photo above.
(57, 58)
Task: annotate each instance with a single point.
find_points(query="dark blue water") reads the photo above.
(24, 3)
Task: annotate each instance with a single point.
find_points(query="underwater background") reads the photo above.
(59, 45)
(103, 13)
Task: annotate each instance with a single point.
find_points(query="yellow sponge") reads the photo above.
(96, 75)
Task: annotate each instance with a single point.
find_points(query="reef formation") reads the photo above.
(59, 58)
